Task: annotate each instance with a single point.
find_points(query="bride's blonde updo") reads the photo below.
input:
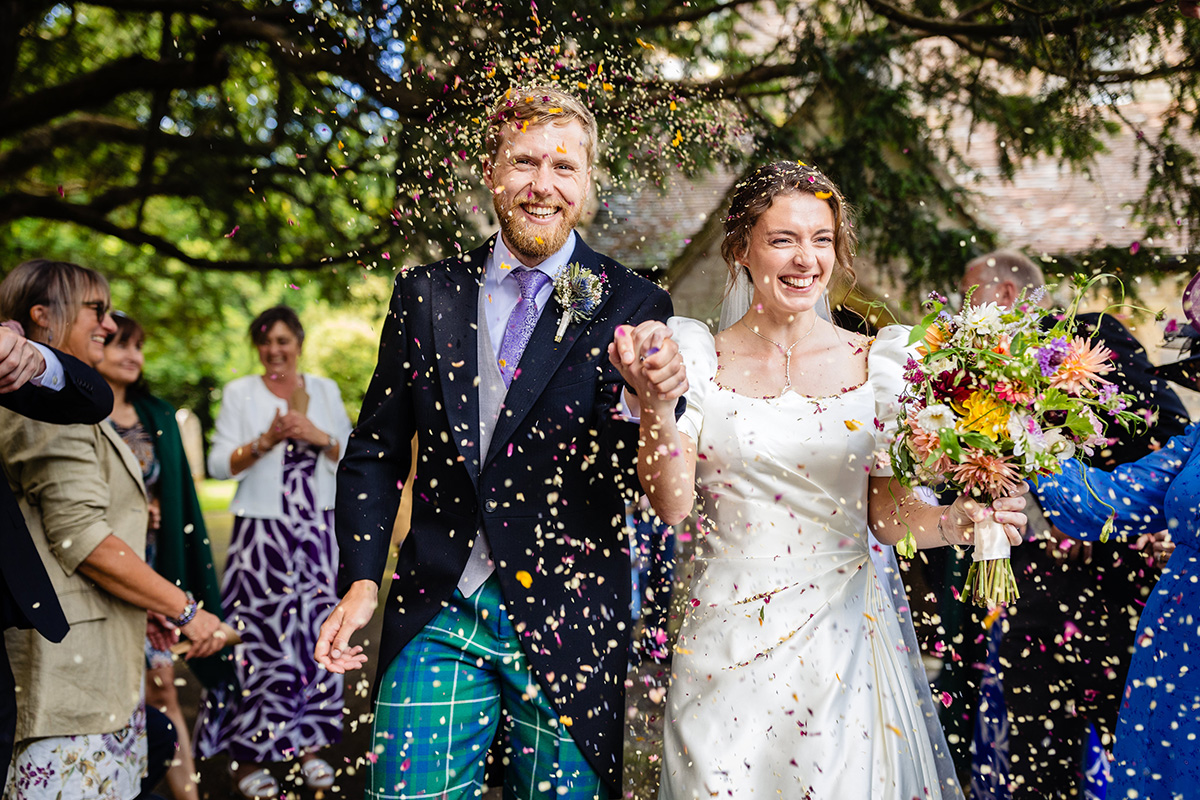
(754, 195)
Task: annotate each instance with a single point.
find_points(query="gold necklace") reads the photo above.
(787, 352)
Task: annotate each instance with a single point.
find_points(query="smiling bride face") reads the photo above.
(792, 253)
(790, 229)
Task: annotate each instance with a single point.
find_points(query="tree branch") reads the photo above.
(85, 130)
(675, 17)
(18, 205)
(1050, 27)
(103, 84)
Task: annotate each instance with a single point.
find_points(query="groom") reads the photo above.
(511, 596)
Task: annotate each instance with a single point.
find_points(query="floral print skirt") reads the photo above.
(94, 766)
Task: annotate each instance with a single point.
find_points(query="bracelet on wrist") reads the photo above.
(942, 531)
(189, 612)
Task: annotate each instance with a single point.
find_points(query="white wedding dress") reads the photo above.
(796, 674)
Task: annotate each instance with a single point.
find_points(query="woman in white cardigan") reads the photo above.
(280, 435)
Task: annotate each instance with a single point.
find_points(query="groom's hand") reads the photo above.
(649, 361)
(333, 650)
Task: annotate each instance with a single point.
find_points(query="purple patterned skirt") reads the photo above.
(277, 590)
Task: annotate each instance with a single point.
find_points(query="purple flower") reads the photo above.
(1051, 354)
(912, 371)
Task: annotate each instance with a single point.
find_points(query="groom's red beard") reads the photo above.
(535, 241)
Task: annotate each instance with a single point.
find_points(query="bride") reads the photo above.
(796, 673)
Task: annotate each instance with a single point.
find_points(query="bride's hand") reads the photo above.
(649, 361)
(958, 521)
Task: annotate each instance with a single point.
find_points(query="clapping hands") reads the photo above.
(648, 359)
(294, 425)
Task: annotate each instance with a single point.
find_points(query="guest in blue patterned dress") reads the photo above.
(280, 435)
(1156, 749)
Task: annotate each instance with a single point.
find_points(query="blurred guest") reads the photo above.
(280, 435)
(1067, 644)
(39, 382)
(81, 716)
(1155, 751)
(176, 542)
(652, 554)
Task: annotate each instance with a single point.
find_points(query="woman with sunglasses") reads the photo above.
(82, 721)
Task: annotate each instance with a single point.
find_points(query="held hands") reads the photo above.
(204, 632)
(649, 361)
(1060, 546)
(161, 633)
(19, 360)
(333, 650)
(1158, 547)
(958, 521)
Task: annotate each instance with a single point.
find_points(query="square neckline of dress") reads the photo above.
(792, 390)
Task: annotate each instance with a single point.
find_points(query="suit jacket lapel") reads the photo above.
(542, 356)
(455, 304)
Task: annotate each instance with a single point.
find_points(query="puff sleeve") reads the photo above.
(885, 372)
(700, 359)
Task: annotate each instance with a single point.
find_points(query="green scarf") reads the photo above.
(183, 555)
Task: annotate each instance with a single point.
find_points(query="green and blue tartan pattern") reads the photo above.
(441, 700)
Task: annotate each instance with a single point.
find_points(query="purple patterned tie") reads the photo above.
(521, 321)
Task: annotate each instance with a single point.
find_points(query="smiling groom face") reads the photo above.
(539, 180)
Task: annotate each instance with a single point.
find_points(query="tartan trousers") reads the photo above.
(442, 699)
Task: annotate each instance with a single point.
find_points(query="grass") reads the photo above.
(215, 495)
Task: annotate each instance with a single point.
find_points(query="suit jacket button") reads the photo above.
(490, 505)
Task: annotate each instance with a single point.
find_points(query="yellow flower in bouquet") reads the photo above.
(985, 414)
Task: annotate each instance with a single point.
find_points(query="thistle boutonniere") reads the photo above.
(578, 291)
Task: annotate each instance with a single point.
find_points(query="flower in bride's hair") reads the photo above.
(995, 475)
(1082, 366)
(986, 414)
(935, 417)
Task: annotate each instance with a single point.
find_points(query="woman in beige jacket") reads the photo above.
(81, 720)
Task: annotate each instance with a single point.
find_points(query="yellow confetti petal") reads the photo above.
(525, 579)
(853, 424)
(553, 110)
(824, 195)
(645, 44)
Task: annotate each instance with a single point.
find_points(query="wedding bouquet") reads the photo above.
(999, 396)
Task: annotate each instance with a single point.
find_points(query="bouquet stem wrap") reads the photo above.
(990, 582)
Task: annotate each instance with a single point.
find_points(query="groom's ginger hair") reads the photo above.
(537, 105)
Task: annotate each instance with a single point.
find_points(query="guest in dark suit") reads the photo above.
(510, 602)
(1069, 640)
(43, 384)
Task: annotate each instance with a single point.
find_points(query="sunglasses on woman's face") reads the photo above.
(100, 307)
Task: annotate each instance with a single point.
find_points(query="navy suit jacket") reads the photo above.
(550, 491)
(26, 594)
